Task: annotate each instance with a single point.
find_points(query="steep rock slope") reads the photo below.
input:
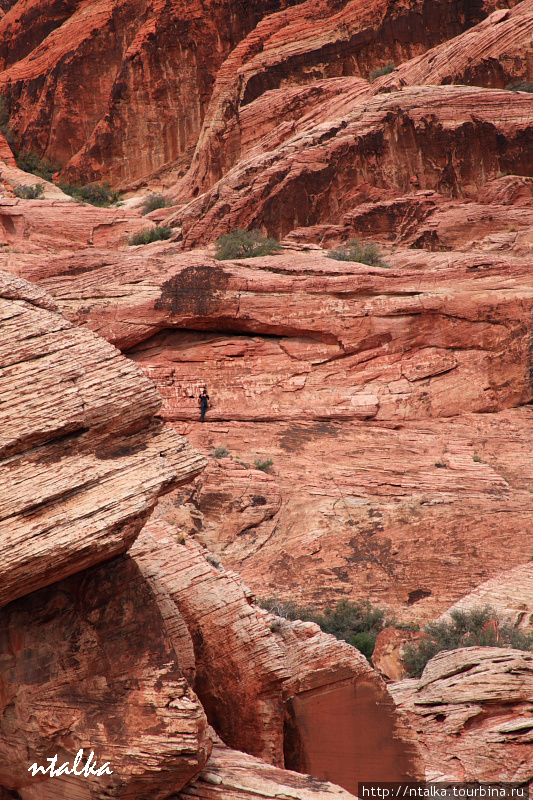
(82, 459)
(91, 83)
(282, 690)
(315, 40)
(112, 79)
(473, 711)
(446, 139)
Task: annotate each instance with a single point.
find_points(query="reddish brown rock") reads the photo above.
(77, 83)
(455, 137)
(86, 665)
(472, 710)
(232, 775)
(82, 459)
(492, 54)
(315, 40)
(388, 652)
(252, 669)
(6, 153)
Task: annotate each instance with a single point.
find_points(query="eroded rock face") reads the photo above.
(86, 665)
(472, 710)
(455, 137)
(283, 690)
(97, 58)
(83, 460)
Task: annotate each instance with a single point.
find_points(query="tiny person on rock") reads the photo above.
(204, 402)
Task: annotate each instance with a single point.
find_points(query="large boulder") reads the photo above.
(82, 459)
(86, 665)
(472, 710)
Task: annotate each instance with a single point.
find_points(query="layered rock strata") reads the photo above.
(82, 459)
(473, 713)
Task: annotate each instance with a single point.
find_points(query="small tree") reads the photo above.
(244, 244)
(152, 202)
(386, 69)
(29, 192)
(152, 235)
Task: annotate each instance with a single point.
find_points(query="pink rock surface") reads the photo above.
(472, 710)
(82, 459)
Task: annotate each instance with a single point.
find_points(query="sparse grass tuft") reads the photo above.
(264, 466)
(244, 244)
(156, 234)
(221, 452)
(354, 250)
(97, 194)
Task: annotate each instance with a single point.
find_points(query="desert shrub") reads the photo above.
(152, 202)
(263, 465)
(221, 452)
(5, 125)
(97, 194)
(354, 250)
(29, 161)
(30, 192)
(151, 235)
(478, 627)
(520, 86)
(386, 69)
(244, 244)
(355, 623)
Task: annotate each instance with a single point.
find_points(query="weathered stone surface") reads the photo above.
(6, 153)
(315, 40)
(233, 775)
(83, 460)
(510, 594)
(388, 651)
(116, 90)
(253, 669)
(473, 711)
(494, 53)
(411, 516)
(85, 664)
(303, 337)
(446, 139)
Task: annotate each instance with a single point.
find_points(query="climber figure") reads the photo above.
(204, 402)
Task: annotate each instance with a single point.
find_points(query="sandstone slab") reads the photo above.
(83, 460)
(472, 710)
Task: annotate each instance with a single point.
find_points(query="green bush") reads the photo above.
(152, 202)
(264, 466)
(29, 161)
(244, 244)
(520, 86)
(97, 194)
(151, 235)
(355, 623)
(354, 250)
(466, 629)
(386, 69)
(30, 192)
